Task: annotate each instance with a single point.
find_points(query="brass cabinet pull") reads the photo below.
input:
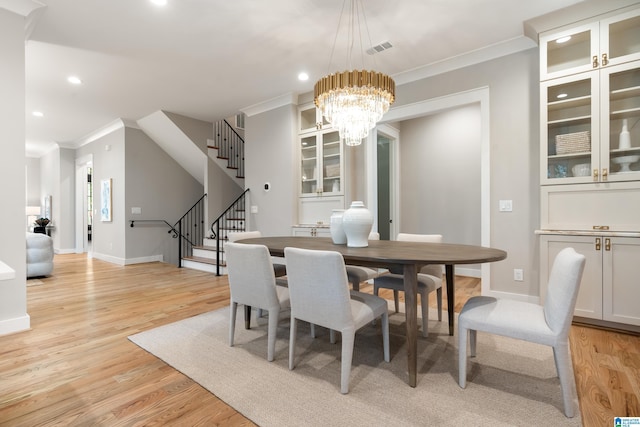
(600, 227)
(605, 174)
(595, 61)
(595, 174)
(598, 242)
(605, 60)
(607, 244)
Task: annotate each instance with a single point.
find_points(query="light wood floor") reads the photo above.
(77, 367)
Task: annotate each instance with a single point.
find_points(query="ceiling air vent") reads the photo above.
(379, 48)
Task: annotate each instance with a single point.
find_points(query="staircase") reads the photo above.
(210, 255)
(228, 146)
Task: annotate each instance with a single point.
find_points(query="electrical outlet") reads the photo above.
(518, 274)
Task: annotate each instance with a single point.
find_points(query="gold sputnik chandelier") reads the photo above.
(354, 101)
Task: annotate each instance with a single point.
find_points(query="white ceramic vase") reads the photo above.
(356, 223)
(625, 138)
(335, 227)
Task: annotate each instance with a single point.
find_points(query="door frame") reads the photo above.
(82, 241)
(433, 106)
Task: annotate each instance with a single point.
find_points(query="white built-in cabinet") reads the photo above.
(610, 289)
(589, 176)
(321, 171)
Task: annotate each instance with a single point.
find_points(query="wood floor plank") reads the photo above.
(77, 367)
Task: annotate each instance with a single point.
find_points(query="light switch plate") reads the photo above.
(254, 209)
(136, 211)
(506, 205)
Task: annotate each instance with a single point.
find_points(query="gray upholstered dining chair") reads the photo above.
(429, 280)
(548, 324)
(252, 282)
(320, 295)
(357, 274)
(233, 236)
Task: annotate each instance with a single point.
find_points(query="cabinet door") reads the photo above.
(589, 302)
(332, 165)
(620, 38)
(570, 51)
(310, 119)
(309, 170)
(621, 287)
(570, 129)
(620, 118)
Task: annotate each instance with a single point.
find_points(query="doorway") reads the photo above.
(84, 204)
(387, 194)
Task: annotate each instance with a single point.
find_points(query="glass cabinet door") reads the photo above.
(621, 122)
(332, 163)
(620, 39)
(309, 165)
(570, 51)
(569, 130)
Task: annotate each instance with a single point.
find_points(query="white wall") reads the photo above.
(34, 197)
(13, 292)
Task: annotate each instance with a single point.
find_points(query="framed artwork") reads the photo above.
(105, 200)
(47, 208)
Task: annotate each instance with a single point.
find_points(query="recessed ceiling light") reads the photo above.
(563, 39)
(303, 77)
(74, 80)
(38, 114)
(159, 2)
(562, 95)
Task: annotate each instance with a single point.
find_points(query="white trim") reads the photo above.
(468, 272)
(64, 251)
(371, 159)
(144, 259)
(17, 324)
(271, 104)
(99, 133)
(21, 7)
(432, 106)
(467, 59)
(108, 258)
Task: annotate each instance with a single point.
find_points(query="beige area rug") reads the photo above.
(511, 383)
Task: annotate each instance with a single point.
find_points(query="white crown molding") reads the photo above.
(484, 54)
(100, 132)
(280, 101)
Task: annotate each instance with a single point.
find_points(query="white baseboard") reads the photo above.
(108, 258)
(64, 251)
(127, 261)
(468, 272)
(142, 260)
(17, 324)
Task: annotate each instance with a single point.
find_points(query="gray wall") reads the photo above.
(513, 82)
(33, 182)
(13, 292)
(440, 175)
(108, 238)
(270, 157)
(162, 189)
(514, 102)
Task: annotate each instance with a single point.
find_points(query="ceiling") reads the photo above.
(208, 59)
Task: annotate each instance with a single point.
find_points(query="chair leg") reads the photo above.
(439, 300)
(385, 336)
(292, 341)
(565, 373)
(462, 356)
(272, 331)
(473, 334)
(424, 305)
(313, 330)
(395, 301)
(348, 338)
(232, 321)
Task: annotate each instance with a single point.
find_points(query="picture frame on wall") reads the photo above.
(105, 200)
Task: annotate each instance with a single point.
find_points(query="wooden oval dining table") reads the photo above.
(404, 258)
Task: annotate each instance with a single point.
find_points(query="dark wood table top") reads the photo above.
(387, 252)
